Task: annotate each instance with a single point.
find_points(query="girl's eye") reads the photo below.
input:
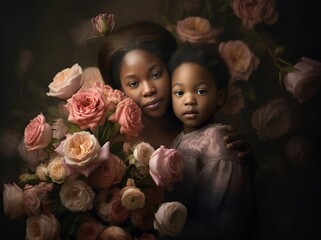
(133, 84)
(155, 75)
(178, 92)
(201, 91)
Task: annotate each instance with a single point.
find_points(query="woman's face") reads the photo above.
(145, 79)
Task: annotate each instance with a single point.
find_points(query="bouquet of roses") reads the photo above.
(84, 180)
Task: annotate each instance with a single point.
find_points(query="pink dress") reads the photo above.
(216, 188)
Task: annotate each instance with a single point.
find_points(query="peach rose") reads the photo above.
(304, 82)
(89, 229)
(87, 109)
(38, 134)
(43, 227)
(239, 58)
(170, 219)
(253, 12)
(82, 153)
(166, 167)
(42, 172)
(13, 200)
(128, 116)
(273, 120)
(56, 170)
(110, 172)
(114, 233)
(196, 30)
(132, 197)
(66, 82)
(76, 195)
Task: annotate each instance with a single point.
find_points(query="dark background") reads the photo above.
(46, 28)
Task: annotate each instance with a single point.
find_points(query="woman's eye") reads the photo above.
(156, 75)
(132, 84)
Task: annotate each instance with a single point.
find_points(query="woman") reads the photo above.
(134, 59)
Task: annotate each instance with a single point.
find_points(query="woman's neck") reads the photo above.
(160, 131)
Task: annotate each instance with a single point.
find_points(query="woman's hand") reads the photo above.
(235, 141)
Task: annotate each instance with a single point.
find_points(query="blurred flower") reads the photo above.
(196, 30)
(103, 23)
(44, 226)
(114, 233)
(170, 219)
(239, 58)
(305, 81)
(13, 200)
(273, 120)
(9, 141)
(66, 82)
(90, 76)
(297, 151)
(253, 12)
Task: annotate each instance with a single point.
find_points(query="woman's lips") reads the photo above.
(153, 104)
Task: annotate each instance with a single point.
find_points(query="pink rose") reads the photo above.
(91, 76)
(87, 109)
(196, 30)
(128, 116)
(43, 227)
(31, 200)
(273, 120)
(304, 82)
(110, 172)
(166, 167)
(13, 200)
(66, 82)
(253, 12)
(142, 218)
(103, 23)
(113, 212)
(38, 134)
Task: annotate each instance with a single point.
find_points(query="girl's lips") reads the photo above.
(153, 104)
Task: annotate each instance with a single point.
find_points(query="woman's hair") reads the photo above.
(140, 35)
(207, 56)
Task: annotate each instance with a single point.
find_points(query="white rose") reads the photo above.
(42, 172)
(239, 58)
(76, 195)
(66, 83)
(142, 152)
(42, 227)
(13, 200)
(170, 218)
(304, 82)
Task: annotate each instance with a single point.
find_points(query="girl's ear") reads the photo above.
(221, 97)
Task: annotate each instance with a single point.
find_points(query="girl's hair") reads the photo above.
(204, 54)
(140, 35)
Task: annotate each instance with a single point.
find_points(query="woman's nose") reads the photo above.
(148, 89)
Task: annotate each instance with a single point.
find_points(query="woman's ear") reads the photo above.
(221, 97)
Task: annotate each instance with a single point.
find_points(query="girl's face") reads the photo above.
(195, 95)
(145, 79)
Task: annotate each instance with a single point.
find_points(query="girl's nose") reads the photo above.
(189, 99)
